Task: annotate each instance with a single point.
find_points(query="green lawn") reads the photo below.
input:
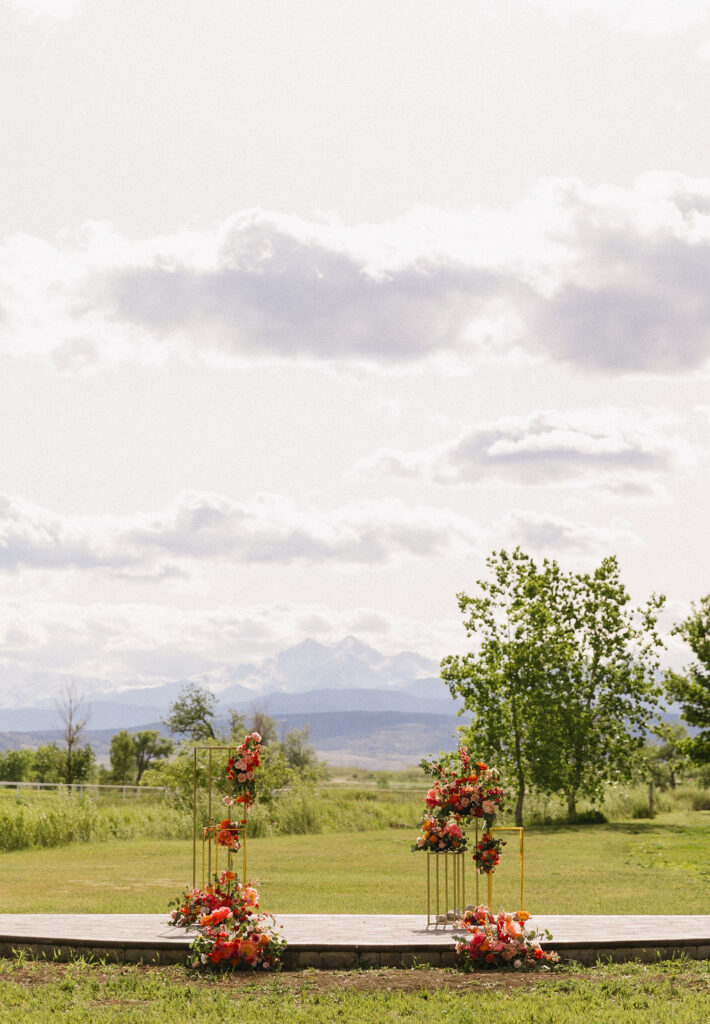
(673, 993)
(623, 868)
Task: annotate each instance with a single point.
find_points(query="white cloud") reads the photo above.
(199, 527)
(625, 453)
(145, 642)
(646, 17)
(552, 535)
(607, 279)
(54, 10)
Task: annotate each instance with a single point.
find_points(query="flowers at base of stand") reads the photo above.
(440, 836)
(501, 941)
(486, 856)
(240, 771)
(194, 904)
(232, 932)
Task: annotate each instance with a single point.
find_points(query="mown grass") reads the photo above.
(620, 868)
(672, 993)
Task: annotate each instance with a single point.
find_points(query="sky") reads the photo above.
(307, 308)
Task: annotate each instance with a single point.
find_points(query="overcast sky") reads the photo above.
(307, 307)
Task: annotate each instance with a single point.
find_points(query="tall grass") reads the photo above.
(41, 820)
(28, 822)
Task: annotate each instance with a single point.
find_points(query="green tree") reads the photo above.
(692, 688)
(48, 763)
(149, 746)
(605, 691)
(122, 756)
(668, 757)
(506, 682)
(297, 750)
(266, 727)
(74, 716)
(192, 714)
(16, 765)
(562, 687)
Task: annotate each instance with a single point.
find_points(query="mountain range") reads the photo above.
(363, 707)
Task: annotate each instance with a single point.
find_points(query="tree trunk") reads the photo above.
(651, 801)
(572, 805)
(520, 801)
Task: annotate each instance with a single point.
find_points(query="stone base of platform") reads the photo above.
(350, 941)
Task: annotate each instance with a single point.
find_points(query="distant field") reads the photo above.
(626, 867)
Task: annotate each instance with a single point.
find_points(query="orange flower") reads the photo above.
(523, 915)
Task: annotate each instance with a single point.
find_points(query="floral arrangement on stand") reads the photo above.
(440, 836)
(486, 856)
(232, 931)
(501, 941)
(227, 834)
(240, 772)
(462, 791)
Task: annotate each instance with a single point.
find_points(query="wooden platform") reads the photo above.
(342, 941)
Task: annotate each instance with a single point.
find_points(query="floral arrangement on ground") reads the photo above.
(501, 941)
(232, 932)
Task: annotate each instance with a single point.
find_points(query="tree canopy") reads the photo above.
(192, 714)
(692, 687)
(562, 683)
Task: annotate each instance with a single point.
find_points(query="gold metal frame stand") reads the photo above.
(446, 891)
(208, 833)
(446, 887)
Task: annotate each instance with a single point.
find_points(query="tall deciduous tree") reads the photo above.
(192, 714)
(562, 684)
(692, 688)
(149, 746)
(122, 755)
(605, 694)
(74, 717)
(506, 682)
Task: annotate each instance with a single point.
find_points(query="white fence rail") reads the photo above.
(88, 787)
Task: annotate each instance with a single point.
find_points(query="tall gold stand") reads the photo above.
(446, 881)
(208, 833)
(521, 849)
(445, 887)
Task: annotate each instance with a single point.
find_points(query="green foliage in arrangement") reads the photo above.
(562, 683)
(692, 688)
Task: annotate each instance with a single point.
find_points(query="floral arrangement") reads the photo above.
(487, 853)
(232, 932)
(439, 836)
(227, 834)
(462, 791)
(240, 772)
(501, 941)
(224, 892)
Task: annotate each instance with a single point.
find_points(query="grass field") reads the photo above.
(672, 993)
(620, 868)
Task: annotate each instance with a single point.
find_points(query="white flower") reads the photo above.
(517, 963)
